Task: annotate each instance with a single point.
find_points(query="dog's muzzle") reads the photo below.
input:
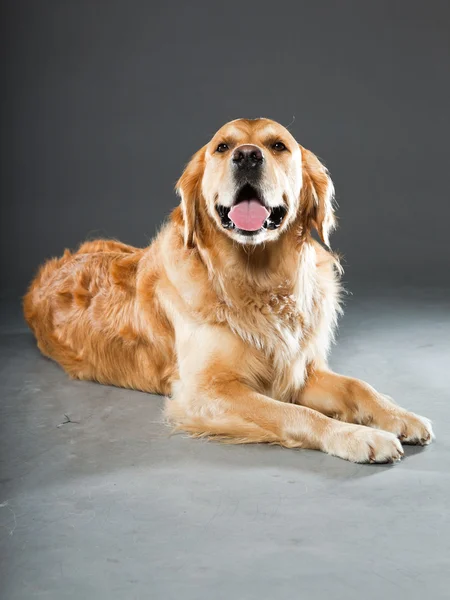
(249, 214)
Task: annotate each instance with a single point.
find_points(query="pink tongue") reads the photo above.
(248, 215)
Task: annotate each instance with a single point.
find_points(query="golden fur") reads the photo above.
(235, 332)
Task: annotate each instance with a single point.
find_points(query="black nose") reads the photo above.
(247, 156)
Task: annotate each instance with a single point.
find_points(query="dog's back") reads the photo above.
(81, 308)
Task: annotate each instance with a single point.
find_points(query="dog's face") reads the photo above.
(254, 180)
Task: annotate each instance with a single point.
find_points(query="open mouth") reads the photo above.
(249, 214)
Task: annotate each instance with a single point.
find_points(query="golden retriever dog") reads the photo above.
(231, 310)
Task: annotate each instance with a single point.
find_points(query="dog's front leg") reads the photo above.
(355, 401)
(218, 399)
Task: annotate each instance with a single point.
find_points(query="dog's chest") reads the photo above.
(271, 322)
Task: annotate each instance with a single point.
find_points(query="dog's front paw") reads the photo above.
(363, 445)
(408, 427)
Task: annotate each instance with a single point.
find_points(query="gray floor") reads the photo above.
(110, 506)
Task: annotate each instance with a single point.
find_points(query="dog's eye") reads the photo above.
(279, 146)
(222, 148)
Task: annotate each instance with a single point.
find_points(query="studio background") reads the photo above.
(104, 102)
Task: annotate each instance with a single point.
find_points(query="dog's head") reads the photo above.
(253, 180)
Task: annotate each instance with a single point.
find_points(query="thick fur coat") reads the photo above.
(232, 325)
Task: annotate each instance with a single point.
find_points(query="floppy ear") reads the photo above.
(189, 188)
(317, 196)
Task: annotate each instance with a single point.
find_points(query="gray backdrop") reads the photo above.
(104, 102)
